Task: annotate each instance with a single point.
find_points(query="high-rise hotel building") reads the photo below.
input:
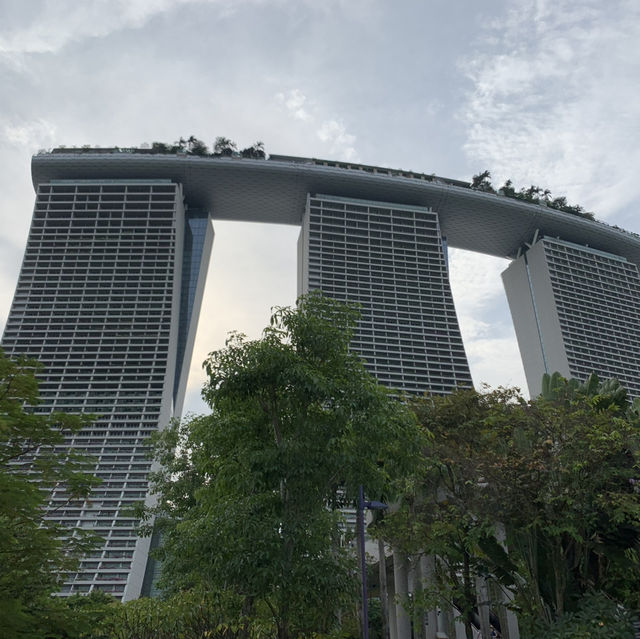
(109, 295)
(576, 310)
(391, 260)
(108, 300)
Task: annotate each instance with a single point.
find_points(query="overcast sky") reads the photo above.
(544, 92)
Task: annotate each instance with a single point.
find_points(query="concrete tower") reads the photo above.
(390, 259)
(108, 300)
(576, 310)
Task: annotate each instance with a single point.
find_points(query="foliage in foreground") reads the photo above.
(539, 497)
(250, 502)
(33, 460)
(595, 616)
(189, 614)
(186, 615)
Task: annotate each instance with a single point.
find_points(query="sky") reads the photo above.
(541, 92)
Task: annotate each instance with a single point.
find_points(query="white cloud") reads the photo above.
(475, 278)
(294, 101)
(331, 131)
(555, 99)
(253, 267)
(31, 135)
(476, 287)
(55, 23)
(496, 361)
(340, 142)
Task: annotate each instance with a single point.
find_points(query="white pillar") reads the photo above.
(461, 630)
(385, 601)
(393, 622)
(508, 618)
(416, 586)
(482, 598)
(401, 581)
(428, 566)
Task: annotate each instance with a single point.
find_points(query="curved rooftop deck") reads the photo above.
(275, 191)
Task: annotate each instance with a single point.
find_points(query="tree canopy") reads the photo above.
(540, 497)
(249, 502)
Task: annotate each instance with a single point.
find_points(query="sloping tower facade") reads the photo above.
(108, 300)
(391, 260)
(576, 310)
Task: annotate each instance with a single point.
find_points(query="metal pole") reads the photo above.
(363, 566)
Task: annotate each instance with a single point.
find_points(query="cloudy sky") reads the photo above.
(544, 92)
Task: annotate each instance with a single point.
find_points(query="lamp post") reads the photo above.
(369, 505)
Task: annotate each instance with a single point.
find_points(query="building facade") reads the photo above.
(107, 300)
(109, 295)
(389, 259)
(576, 310)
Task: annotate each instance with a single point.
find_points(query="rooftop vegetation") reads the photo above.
(222, 147)
(533, 194)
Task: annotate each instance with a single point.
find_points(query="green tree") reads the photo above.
(507, 189)
(180, 145)
(607, 395)
(33, 461)
(539, 496)
(249, 500)
(224, 146)
(160, 147)
(482, 182)
(193, 614)
(92, 616)
(255, 151)
(439, 512)
(197, 147)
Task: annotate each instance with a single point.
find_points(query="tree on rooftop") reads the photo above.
(160, 147)
(224, 146)
(180, 145)
(507, 189)
(197, 147)
(533, 193)
(255, 151)
(482, 182)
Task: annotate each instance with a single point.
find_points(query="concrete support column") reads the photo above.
(428, 566)
(509, 624)
(401, 582)
(482, 598)
(416, 583)
(508, 618)
(393, 622)
(446, 626)
(461, 631)
(385, 602)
